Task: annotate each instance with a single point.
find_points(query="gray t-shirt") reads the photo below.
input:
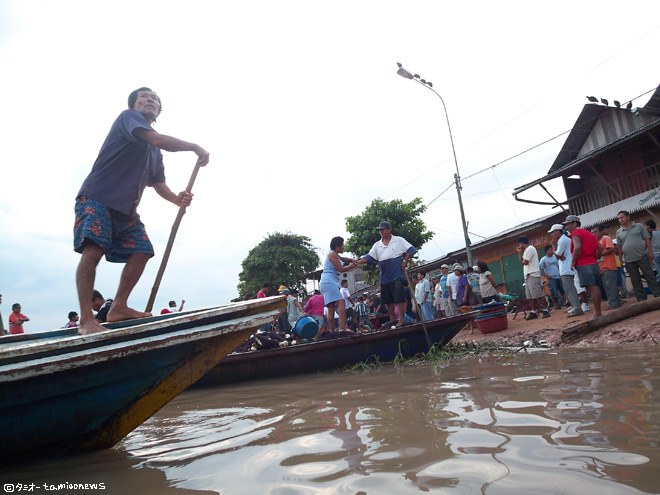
(631, 242)
(655, 242)
(125, 166)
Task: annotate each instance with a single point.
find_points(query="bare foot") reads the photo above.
(90, 327)
(121, 313)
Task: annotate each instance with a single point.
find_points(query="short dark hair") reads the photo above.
(549, 246)
(336, 242)
(15, 305)
(624, 212)
(344, 281)
(72, 314)
(317, 292)
(523, 239)
(422, 273)
(265, 286)
(97, 295)
(132, 98)
(651, 224)
(172, 304)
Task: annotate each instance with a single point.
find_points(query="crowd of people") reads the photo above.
(582, 266)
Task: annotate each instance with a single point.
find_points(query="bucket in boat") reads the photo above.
(306, 327)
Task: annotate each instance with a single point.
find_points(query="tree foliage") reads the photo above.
(404, 218)
(280, 259)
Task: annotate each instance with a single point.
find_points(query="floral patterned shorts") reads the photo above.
(119, 235)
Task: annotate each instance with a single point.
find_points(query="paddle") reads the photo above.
(170, 243)
(419, 312)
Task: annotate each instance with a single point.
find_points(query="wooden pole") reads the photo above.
(170, 243)
(625, 312)
(419, 312)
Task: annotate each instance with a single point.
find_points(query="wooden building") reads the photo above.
(609, 162)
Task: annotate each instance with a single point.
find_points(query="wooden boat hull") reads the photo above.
(64, 394)
(316, 356)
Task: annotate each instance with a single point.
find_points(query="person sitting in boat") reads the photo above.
(172, 307)
(391, 253)
(107, 222)
(329, 284)
(73, 320)
(293, 307)
(314, 307)
(101, 306)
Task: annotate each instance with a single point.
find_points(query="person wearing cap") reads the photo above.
(16, 319)
(636, 254)
(529, 258)
(462, 286)
(391, 253)
(562, 247)
(106, 219)
(586, 250)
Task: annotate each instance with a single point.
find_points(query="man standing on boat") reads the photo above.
(107, 222)
(391, 254)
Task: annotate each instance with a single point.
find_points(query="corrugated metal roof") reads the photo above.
(579, 134)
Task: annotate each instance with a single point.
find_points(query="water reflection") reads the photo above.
(570, 421)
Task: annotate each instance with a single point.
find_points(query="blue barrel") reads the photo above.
(306, 327)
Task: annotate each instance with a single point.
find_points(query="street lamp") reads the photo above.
(457, 178)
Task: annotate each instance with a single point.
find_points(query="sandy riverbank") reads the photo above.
(641, 328)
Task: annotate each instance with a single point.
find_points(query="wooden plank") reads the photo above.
(627, 311)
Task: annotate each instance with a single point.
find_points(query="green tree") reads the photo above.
(405, 221)
(280, 259)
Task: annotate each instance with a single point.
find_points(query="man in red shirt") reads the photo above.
(16, 319)
(586, 250)
(263, 292)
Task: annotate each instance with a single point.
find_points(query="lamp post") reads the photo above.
(457, 178)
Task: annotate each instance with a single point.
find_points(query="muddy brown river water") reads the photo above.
(568, 421)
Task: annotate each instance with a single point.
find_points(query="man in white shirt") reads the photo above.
(423, 296)
(452, 282)
(562, 245)
(529, 258)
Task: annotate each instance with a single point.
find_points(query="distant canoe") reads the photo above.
(328, 354)
(63, 393)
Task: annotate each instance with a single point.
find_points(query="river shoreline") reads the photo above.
(644, 327)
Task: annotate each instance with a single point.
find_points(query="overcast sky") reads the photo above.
(305, 118)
